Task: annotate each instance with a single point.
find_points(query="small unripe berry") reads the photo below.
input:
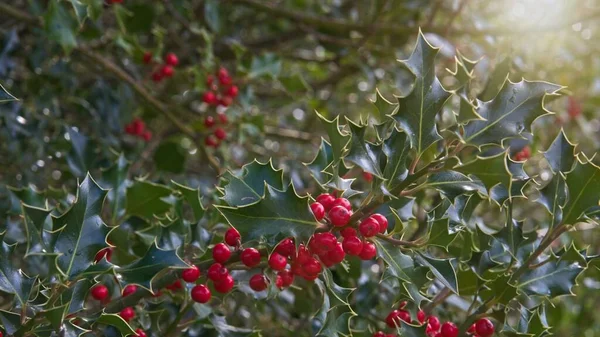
(258, 282)
(127, 314)
(232, 237)
(222, 118)
(224, 286)
(209, 121)
(484, 327)
(140, 333)
(326, 200)
(221, 253)
(449, 329)
(200, 293)
(191, 274)
(318, 210)
(277, 261)
(368, 227)
(342, 202)
(210, 98)
(105, 252)
(348, 232)
(129, 289)
(147, 58)
(250, 257)
(99, 292)
(286, 247)
(217, 272)
(220, 133)
(171, 59)
(232, 91)
(352, 245)
(339, 216)
(381, 220)
(369, 251)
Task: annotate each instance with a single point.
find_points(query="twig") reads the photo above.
(437, 300)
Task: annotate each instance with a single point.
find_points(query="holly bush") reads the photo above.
(248, 168)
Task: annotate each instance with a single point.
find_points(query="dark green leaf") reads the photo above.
(193, 198)
(490, 170)
(81, 157)
(553, 278)
(582, 183)
(249, 186)
(170, 157)
(60, 26)
(144, 270)
(55, 316)
(146, 199)
(80, 232)
(35, 219)
(337, 139)
(211, 15)
(115, 180)
(12, 279)
(440, 234)
(5, 96)
(321, 162)
(499, 289)
(496, 79)
(383, 107)
(399, 264)
(75, 296)
(116, 321)
(396, 150)
(442, 269)
(554, 196)
(561, 153)
(265, 65)
(11, 322)
(363, 153)
(278, 215)
(418, 110)
(453, 184)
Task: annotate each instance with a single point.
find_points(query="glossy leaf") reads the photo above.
(12, 279)
(362, 153)
(116, 321)
(396, 149)
(249, 186)
(321, 162)
(582, 183)
(561, 153)
(490, 170)
(146, 199)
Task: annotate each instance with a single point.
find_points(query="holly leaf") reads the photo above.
(441, 268)
(35, 220)
(490, 170)
(115, 180)
(60, 26)
(343, 185)
(511, 236)
(363, 153)
(582, 183)
(463, 70)
(12, 279)
(249, 186)
(467, 111)
(452, 184)
(383, 107)
(72, 330)
(321, 162)
(418, 110)
(5, 96)
(145, 199)
(193, 198)
(144, 270)
(116, 321)
(500, 289)
(409, 330)
(82, 156)
(439, 234)
(396, 150)
(553, 278)
(277, 215)
(80, 232)
(510, 113)
(337, 139)
(11, 322)
(75, 296)
(398, 264)
(561, 153)
(337, 322)
(553, 197)
(170, 157)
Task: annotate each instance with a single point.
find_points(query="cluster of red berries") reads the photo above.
(162, 71)
(228, 91)
(482, 328)
(100, 292)
(137, 127)
(219, 133)
(110, 2)
(522, 155)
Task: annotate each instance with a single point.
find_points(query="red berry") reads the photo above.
(221, 253)
(326, 200)
(217, 272)
(421, 316)
(318, 210)
(379, 334)
(147, 135)
(449, 329)
(277, 261)
(171, 59)
(226, 101)
(573, 107)
(402, 304)
(224, 286)
(191, 274)
(147, 58)
(157, 294)
(342, 202)
(167, 71)
(348, 232)
(129, 129)
(127, 314)
(232, 91)
(287, 278)
(232, 237)
(210, 98)
(200, 293)
(337, 255)
(526, 151)
(312, 267)
(105, 252)
(339, 216)
(322, 243)
(258, 282)
(220, 133)
(352, 245)
(209, 121)
(368, 227)
(484, 327)
(286, 247)
(209, 80)
(138, 333)
(434, 322)
(138, 126)
(393, 319)
(99, 292)
(222, 72)
(250, 257)
(367, 176)
(157, 76)
(381, 220)
(369, 251)
(210, 140)
(222, 118)
(129, 289)
(471, 329)
(175, 285)
(303, 255)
